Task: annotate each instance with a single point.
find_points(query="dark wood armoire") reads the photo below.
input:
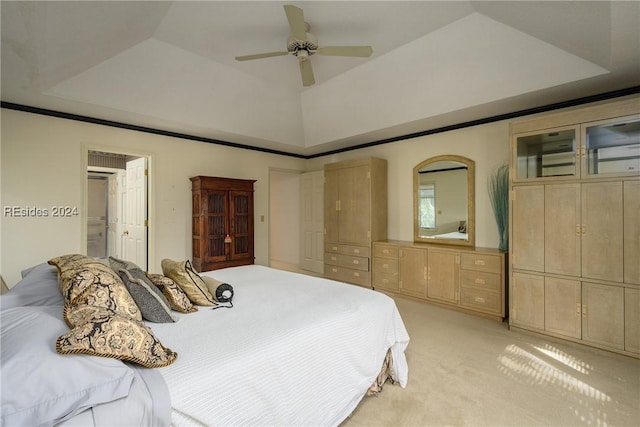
(222, 222)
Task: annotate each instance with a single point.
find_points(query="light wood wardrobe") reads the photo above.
(355, 214)
(575, 226)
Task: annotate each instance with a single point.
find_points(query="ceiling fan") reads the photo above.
(303, 44)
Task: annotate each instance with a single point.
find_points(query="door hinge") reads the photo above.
(369, 175)
(146, 172)
(146, 223)
(513, 195)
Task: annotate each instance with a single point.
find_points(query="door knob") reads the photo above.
(125, 232)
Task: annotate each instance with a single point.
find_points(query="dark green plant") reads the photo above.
(498, 186)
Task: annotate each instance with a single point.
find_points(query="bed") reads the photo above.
(293, 350)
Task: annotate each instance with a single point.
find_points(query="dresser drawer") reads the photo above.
(488, 302)
(338, 248)
(354, 262)
(385, 281)
(385, 265)
(478, 262)
(385, 251)
(343, 274)
(480, 280)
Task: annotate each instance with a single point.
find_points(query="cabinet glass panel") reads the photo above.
(613, 148)
(546, 154)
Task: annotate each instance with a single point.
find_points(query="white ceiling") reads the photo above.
(171, 66)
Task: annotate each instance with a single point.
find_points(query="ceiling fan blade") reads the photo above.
(260, 55)
(306, 72)
(360, 51)
(295, 15)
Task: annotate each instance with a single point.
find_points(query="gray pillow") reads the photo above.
(39, 286)
(41, 387)
(152, 304)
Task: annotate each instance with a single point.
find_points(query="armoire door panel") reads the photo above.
(602, 233)
(632, 232)
(331, 205)
(527, 301)
(603, 314)
(632, 320)
(528, 228)
(562, 232)
(562, 307)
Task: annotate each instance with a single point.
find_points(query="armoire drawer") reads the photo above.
(338, 248)
(343, 274)
(480, 280)
(354, 262)
(478, 262)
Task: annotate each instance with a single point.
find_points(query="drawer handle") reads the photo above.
(334, 248)
(333, 258)
(385, 251)
(479, 299)
(385, 266)
(356, 251)
(479, 262)
(335, 270)
(356, 274)
(385, 280)
(480, 281)
(355, 261)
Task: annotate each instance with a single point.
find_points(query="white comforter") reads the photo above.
(294, 350)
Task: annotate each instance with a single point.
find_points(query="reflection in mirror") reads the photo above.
(444, 189)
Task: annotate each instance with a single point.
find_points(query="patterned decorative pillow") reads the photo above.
(178, 300)
(84, 280)
(191, 283)
(117, 264)
(99, 331)
(153, 305)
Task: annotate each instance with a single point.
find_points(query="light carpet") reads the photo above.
(470, 371)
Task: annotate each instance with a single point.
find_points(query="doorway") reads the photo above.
(117, 207)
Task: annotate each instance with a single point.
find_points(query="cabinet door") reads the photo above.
(527, 218)
(443, 275)
(216, 227)
(331, 205)
(632, 232)
(603, 314)
(354, 216)
(527, 301)
(602, 238)
(632, 320)
(562, 230)
(413, 271)
(241, 224)
(562, 307)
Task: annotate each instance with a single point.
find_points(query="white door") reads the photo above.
(116, 181)
(134, 234)
(312, 197)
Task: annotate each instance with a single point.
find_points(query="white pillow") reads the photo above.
(40, 386)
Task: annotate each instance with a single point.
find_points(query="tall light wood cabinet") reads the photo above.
(222, 222)
(574, 228)
(355, 214)
(467, 279)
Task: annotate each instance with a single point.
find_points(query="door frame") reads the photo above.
(151, 217)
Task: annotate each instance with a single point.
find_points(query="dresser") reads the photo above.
(574, 225)
(222, 222)
(468, 279)
(355, 214)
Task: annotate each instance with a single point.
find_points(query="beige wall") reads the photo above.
(43, 161)
(487, 145)
(43, 164)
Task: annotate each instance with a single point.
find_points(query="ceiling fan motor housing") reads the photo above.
(310, 45)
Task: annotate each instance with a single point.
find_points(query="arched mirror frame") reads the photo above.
(471, 202)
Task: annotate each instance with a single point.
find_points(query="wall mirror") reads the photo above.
(444, 201)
